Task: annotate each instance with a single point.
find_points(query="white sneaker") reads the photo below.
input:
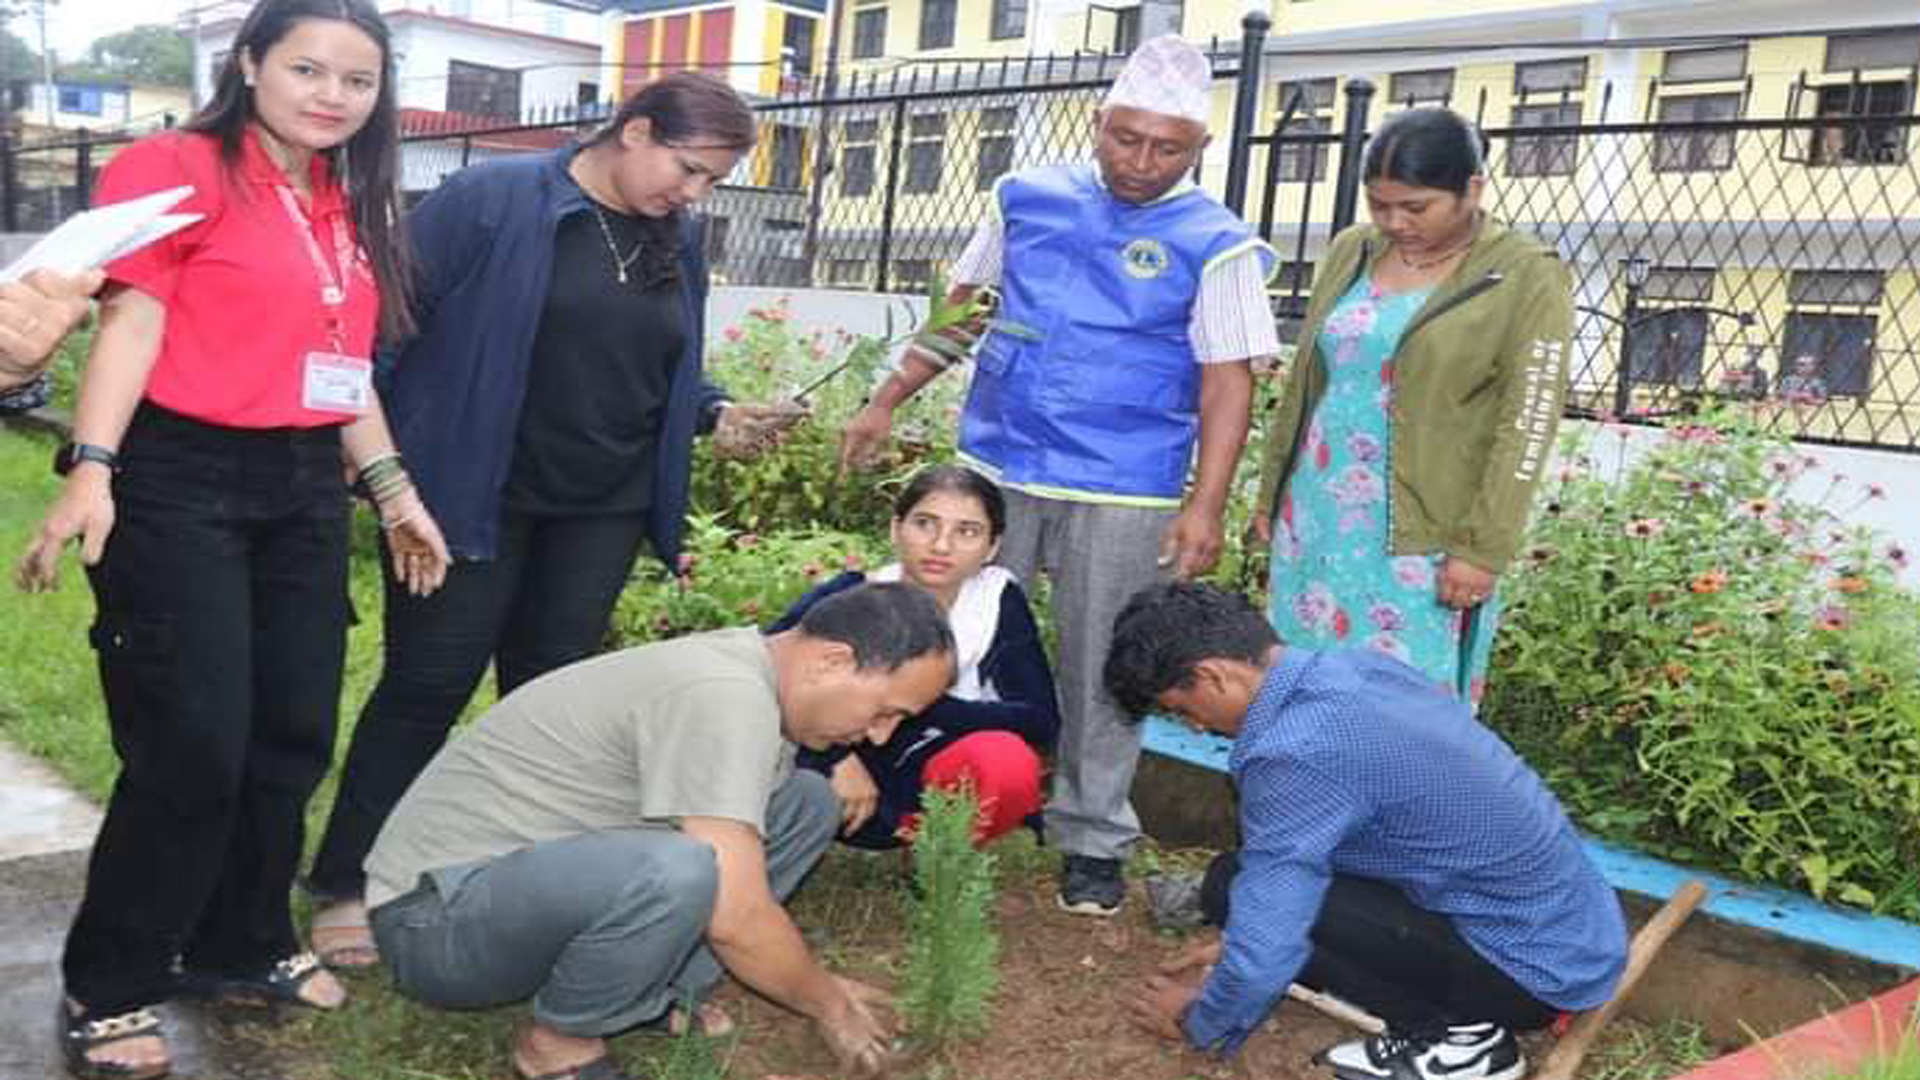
(1464, 1052)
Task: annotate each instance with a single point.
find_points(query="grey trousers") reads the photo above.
(1096, 556)
(602, 930)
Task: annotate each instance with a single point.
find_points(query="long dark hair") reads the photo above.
(959, 480)
(689, 110)
(368, 164)
(1428, 147)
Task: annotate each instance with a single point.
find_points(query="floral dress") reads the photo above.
(1334, 583)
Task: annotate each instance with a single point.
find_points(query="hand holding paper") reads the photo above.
(93, 238)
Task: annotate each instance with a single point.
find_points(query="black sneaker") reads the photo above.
(1090, 886)
(1462, 1052)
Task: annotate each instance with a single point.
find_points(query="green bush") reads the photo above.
(1714, 671)
(766, 358)
(734, 578)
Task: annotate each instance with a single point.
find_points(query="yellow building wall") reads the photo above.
(1305, 16)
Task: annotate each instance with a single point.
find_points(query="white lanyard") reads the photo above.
(333, 285)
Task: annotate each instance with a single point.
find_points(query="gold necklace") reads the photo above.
(620, 262)
(1428, 264)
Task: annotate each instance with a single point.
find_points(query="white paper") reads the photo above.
(95, 237)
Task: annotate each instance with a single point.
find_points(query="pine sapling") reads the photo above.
(953, 950)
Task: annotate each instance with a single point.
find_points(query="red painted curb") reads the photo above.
(1837, 1041)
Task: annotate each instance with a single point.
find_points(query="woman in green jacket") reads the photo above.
(1418, 415)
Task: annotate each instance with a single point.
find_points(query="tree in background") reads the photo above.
(148, 55)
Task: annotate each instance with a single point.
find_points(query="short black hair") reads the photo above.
(1429, 147)
(886, 624)
(1164, 632)
(959, 480)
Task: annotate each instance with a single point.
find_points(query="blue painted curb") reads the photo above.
(1777, 911)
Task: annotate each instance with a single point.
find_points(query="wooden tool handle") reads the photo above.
(1568, 1052)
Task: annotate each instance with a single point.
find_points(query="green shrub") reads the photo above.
(766, 358)
(734, 578)
(953, 950)
(1717, 672)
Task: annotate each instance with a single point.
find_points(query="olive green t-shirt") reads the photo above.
(632, 739)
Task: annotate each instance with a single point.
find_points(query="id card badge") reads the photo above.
(334, 382)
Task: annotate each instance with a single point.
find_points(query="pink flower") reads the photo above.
(1413, 571)
(688, 560)
(853, 561)
(1386, 617)
(1897, 555)
(1875, 491)
(1642, 528)
(733, 333)
(1831, 617)
(746, 540)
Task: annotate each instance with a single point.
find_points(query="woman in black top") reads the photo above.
(550, 461)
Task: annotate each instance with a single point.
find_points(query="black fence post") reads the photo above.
(1246, 104)
(83, 170)
(893, 194)
(9, 184)
(1346, 189)
(466, 150)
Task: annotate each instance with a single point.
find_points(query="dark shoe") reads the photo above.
(600, 1068)
(1461, 1052)
(1090, 886)
(86, 1032)
(279, 985)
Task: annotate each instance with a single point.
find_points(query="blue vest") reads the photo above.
(1086, 382)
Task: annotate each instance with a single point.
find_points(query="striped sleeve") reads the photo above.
(1231, 317)
(979, 264)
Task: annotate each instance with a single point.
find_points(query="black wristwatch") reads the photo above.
(73, 453)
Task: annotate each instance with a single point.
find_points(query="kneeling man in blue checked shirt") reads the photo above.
(1396, 854)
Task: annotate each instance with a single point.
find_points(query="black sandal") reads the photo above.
(280, 985)
(85, 1032)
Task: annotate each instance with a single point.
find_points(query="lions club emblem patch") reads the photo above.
(1144, 258)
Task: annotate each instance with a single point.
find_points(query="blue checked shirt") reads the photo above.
(1350, 762)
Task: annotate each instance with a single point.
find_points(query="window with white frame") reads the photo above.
(1827, 345)
(1701, 150)
(926, 152)
(1007, 20)
(995, 156)
(1720, 64)
(1867, 131)
(869, 32)
(859, 154)
(1312, 105)
(1412, 88)
(1667, 343)
(936, 23)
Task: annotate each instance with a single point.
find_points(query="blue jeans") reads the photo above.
(601, 930)
(221, 634)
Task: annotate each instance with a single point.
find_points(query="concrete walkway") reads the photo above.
(45, 831)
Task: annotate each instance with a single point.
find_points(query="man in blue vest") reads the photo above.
(1132, 305)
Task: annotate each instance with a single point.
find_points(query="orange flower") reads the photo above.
(1849, 585)
(1710, 582)
(1676, 672)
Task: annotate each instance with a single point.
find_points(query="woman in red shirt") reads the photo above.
(231, 370)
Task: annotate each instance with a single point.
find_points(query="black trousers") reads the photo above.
(542, 603)
(1410, 967)
(221, 633)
